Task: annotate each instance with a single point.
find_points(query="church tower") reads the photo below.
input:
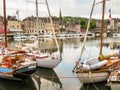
(61, 22)
(60, 17)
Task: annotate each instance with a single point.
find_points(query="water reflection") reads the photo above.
(47, 79)
(17, 85)
(45, 45)
(70, 50)
(112, 42)
(95, 86)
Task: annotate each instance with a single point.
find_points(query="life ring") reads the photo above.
(4, 51)
(7, 63)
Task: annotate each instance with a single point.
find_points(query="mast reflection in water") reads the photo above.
(47, 79)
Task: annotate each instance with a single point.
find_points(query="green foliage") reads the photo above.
(68, 19)
(92, 24)
(78, 20)
(83, 23)
(55, 17)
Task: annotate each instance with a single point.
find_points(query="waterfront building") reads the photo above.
(48, 26)
(110, 25)
(14, 25)
(118, 26)
(29, 25)
(1, 23)
(73, 27)
(61, 24)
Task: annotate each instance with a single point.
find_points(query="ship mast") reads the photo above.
(102, 29)
(37, 20)
(5, 23)
(83, 46)
(53, 29)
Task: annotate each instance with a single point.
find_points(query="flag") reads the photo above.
(17, 12)
(110, 13)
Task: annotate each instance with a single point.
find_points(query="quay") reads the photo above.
(92, 34)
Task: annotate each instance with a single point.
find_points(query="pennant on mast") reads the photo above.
(110, 13)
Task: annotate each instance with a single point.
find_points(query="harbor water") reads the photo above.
(62, 77)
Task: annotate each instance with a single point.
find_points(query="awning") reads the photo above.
(2, 31)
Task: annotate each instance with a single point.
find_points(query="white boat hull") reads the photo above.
(115, 86)
(114, 80)
(48, 62)
(92, 77)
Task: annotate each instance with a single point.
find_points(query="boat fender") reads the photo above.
(98, 65)
(86, 66)
(4, 51)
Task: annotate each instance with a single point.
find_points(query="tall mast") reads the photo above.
(37, 23)
(5, 27)
(102, 29)
(37, 20)
(88, 25)
(36, 11)
(52, 25)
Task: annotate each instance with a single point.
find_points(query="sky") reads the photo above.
(75, 8)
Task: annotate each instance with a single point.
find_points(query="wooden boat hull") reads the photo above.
(92, 77)
(48, 62)
(19, 74)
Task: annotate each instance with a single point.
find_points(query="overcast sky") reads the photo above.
(76, 8)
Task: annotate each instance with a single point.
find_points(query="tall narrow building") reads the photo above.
(60, 17)
(61, 22)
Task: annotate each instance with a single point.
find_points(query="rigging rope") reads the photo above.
(83, 47)
(90, 75)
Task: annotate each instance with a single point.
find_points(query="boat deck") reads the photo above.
(115, 76)
(112, 64)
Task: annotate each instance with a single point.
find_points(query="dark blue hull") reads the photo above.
(23, 73)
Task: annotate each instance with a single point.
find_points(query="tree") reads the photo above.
(92, 24)
(83, 23)
(68, 19)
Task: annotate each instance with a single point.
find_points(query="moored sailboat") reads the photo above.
(94, 70)
(44, 60)
(14, 64)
